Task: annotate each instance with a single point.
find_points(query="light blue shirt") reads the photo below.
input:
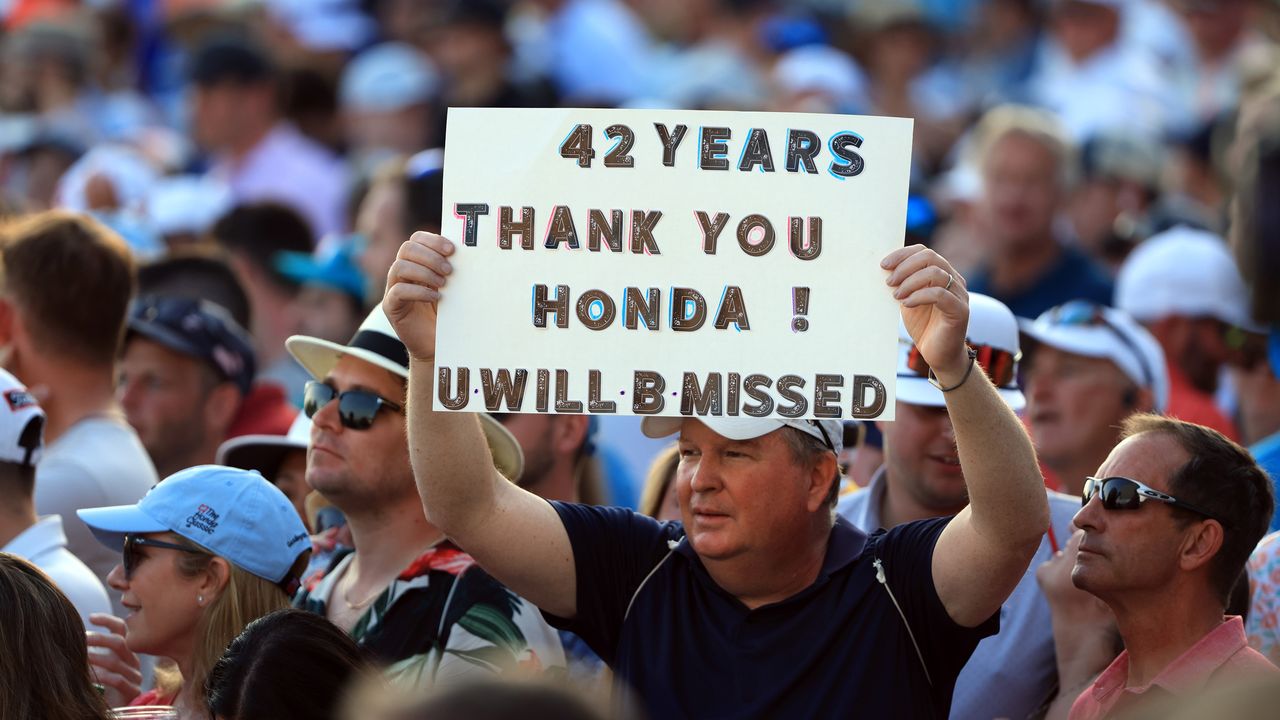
(1010, 674)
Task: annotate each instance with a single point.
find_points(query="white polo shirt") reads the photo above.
(45, 546)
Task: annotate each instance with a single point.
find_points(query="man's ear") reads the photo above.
(569, 433)
(820, 478)
(1201, 543)
(221, 406)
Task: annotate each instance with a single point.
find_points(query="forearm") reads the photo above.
(451, 461)
(1006, 490)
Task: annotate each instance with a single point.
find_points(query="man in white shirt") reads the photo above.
(38, 540)
(1093, 79)
(65, 291)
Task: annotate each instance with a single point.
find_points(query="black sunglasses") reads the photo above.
(1122, 493)
(357, 409)
(131, 556)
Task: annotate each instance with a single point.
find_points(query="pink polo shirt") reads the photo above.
(1221, 655)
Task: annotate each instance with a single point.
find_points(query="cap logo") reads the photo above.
(19, 399)
(296, 539)
(204, 519)
(227, 360)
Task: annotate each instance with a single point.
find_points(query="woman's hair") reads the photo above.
(661, 473)
(289, 663)
(245, 598)
(45, 671)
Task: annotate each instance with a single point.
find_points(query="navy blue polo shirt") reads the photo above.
(688, 649)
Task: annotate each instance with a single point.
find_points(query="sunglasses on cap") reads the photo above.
(825, 437)
(1082, 313)
(1122, 493)
(132, 555)
(999, 365)
(357, 409)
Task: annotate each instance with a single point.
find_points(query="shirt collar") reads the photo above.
(1192, 669)
(1188, 673)
(44, 536)
(844, 546)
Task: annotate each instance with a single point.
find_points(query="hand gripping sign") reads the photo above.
(642, 262)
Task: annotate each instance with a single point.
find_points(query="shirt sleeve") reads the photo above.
(906, 553)
(614, 550)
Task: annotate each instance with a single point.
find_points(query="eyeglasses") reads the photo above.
(357, 409)
(1122, 493)
(1085, 313)
(999, 365)
(132, 556)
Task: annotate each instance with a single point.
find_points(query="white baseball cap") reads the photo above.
(187, 204)
(264, 453)
(235, 514)
(1186, 272)
(1084, 328)
(21, 423)
(388, 77)
(376, 343)
(830, 432)
(992, 332)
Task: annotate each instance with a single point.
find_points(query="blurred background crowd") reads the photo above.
(1105, 164)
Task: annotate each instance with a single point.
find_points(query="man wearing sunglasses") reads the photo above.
(1088, 367)
(1169, 520)
(406, 594)
(761, 603)
(1012, 673)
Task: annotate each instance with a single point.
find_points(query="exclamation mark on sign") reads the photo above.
(800, 308)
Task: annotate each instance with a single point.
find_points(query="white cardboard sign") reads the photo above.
(671, 262)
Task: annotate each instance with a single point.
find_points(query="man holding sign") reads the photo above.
(761, 603)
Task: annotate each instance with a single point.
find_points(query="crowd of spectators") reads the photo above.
(218, 456)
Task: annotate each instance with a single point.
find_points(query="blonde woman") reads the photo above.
(206, 552)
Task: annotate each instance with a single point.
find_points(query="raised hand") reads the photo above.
(115, 666)
(413, 289)
(935, 306)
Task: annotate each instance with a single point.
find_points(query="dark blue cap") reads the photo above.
(198, 328)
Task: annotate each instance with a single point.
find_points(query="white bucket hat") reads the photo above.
(376, 343)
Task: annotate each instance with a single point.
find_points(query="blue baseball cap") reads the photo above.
(235, 514)
(200, 329)
(335, 269)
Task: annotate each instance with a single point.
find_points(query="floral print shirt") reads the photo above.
(1263, 626)
(442, 619)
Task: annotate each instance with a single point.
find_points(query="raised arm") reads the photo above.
(515, 535)
(984, 551)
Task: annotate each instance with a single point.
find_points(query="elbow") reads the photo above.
(1034, 523)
